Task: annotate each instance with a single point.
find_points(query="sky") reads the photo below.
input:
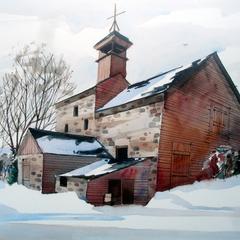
(165, 34)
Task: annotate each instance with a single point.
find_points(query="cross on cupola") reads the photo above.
(112, 60)
(115, 26)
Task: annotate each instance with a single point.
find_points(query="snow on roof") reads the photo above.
(68, 144)
(101, 167)
(149, 87)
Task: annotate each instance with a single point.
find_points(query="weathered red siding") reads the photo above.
(54, 164)
(144, 177)
(187, 132)
(108, 89)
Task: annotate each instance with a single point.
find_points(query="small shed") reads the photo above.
(45, 154)
(131, 181)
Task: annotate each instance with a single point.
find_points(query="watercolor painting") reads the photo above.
(119, 119)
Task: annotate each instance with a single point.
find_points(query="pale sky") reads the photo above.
(165, 33)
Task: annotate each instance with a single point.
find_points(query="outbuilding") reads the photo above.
(45, 154)
(105, 182)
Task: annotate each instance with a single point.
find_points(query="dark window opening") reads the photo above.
(122, 191)
(63, 181)
(115, 188)
(121, 153)
(66, 128)
(128, 191)
(113, 47)
(85, 127)
(75, 111)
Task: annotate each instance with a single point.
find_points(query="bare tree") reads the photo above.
(29, 92)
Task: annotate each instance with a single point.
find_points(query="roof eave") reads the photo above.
(226, 75)
(158, 97)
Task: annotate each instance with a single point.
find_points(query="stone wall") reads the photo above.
(78, 185)
(30, 170)
(138, 128)
(86, 108)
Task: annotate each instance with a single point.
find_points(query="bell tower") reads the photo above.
(112, 59)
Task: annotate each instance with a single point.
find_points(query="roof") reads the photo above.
(152, 86)
(110, 36)
(76, 97)
(155, 85)
(227, 76)
(101, 168)
(162, 82)
(68, 144)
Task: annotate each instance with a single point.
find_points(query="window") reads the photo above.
(66, 128)
(220, 117)
(85, 124)
(121, 153)
(63, 181)
(75, 111)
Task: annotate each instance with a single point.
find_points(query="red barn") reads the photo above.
(176, 117)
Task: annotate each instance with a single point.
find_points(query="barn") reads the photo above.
(171, 121)
(44, 154)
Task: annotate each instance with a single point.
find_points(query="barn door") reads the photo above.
(26, 172)
(180, 166)
(115, 188)
(128, 191)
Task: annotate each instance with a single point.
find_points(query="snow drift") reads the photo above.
(206, 195)
(24, 200)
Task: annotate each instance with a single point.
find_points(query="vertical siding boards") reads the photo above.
(54, 164)
(187, 119)
(144, 182)
(29, 146)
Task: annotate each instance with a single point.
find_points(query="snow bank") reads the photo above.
(4, 210)
(25, 200)
(205, 195)
(2, 184)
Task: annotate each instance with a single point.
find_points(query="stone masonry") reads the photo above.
(78, 185)
(64, 115)
(137, 128)
(30, 171)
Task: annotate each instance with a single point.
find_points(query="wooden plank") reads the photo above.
(187, 118)
(58, 164)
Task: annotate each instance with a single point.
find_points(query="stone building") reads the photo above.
(166, 124)
(177, 116)
(45, 154)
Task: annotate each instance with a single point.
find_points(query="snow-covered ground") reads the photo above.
(25, 200)
(206, 210)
